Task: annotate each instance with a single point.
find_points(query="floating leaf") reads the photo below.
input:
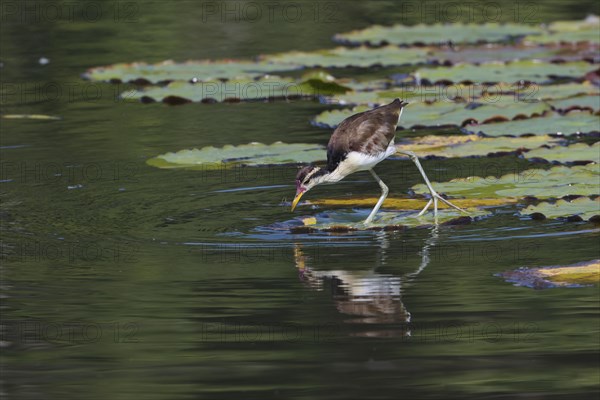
(573, 153)
(408, 204)
(584, 208)
(555, 182)
(490, 53)
(341, 221)
(572, 123)
(472, 145)
(587, 30)
(531, 71)
(445, 113)
(253, 154)
(31, 116)
(579, 102)
(574, 275)
(268, 87)
(435, 34)
(168, 71)
(350, 57)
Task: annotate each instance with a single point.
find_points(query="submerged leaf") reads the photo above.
(531, 71)
(253, 154)
(409, 204)
(436, 34)
(577, 152)
(583, 207)
(572, 123)
(574, 275)
(343, 221)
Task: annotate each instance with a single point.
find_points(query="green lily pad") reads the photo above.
(572, 123)
(435, 34)
(343, 221)
(350, 57)
(253, 154)
(587, 30)
(582, 207)
(532, 71)
(438, 145)
(555, 182)
(575, 275)
(498, 53)
(579, 102)
(573, 153)
(168, 71)
(244, 89)
(443, 113)
(541, 92)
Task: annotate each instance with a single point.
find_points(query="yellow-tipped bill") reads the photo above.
(296, 200)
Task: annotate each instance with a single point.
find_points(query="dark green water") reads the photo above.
(120, 280)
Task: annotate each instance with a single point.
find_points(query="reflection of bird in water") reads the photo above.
(359, 143)
(368, 296)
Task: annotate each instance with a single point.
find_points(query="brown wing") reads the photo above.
(369, 132)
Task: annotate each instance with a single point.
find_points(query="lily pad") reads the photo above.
(436, 34)
(350, 57)
(168, 71)
(344, 221)
(584, 208)
(578, 152)
(555, 182)
(577, 103)
(498, 53)
(253, 154)
(572, 123)
(587, 30)
(445, 113)
(475, 146)
(246, 89)
(40, 117)
(529, 70)
(574, 275)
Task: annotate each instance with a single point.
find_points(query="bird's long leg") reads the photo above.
(434, 195)
(384, 193)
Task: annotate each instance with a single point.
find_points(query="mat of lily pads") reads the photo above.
(572, 123)
(344, 221)
(245, 89)
(445, 113)
(436, 34)
(526, 70)
(408, 203)
(253, 154)
(582, 207)
(575, 275)
(555, 182)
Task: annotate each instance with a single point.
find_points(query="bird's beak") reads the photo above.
(296, 200)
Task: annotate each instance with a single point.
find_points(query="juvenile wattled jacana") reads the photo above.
(359, 143)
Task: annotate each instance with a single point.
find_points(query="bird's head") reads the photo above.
(307, 178)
